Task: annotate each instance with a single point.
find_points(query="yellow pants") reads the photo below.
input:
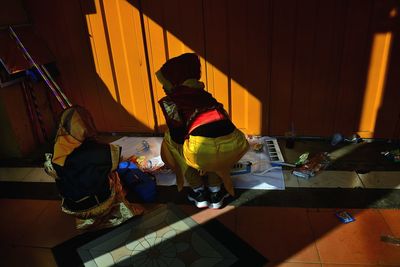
(211, 156)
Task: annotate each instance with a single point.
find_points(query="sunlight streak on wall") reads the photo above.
(380, 52)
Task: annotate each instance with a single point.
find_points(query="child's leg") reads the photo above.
(193, 177)
(217, 192)
(214, 181)
(197, 194)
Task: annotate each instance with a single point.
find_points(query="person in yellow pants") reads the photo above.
(201, 144)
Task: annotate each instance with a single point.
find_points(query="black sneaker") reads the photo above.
(199, 198)
(217, 199)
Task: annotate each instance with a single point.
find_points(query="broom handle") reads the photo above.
(54, 91)
(57, 87)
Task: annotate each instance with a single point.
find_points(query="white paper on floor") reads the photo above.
(272, 180)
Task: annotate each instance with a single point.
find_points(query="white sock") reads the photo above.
(197, 189)
(214, 189)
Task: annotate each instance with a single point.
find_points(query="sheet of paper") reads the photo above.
(134, 146)
(272, 180)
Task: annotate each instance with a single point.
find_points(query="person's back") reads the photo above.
(211, 144)
(84, 172)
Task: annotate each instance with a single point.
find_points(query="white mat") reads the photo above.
(272, 180)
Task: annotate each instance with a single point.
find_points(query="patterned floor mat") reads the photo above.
(163, 237)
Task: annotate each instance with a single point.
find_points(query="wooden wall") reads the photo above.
(319, 66)
(12, 12)
(16, 133)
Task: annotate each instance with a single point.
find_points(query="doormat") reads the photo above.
(163, 237)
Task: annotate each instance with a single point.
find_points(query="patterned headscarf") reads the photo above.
(181, 70)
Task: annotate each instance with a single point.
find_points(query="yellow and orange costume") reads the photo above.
(84, 172)
(201, 140)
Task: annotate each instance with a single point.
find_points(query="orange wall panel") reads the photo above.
(318, 66)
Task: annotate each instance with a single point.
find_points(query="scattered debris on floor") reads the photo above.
(311, 167)
(338, 138)
(344, 216)
(393, 155)
(302, 159)
(143, 184)
(391, 240)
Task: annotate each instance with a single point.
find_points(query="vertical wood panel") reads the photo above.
(249, 66)
(271, 63)
(238, 28)
(16, 130)
(172, 28)
(283, 49)
(258, 68)
(157, 46)
(88, 65)
(126, 43)
(320, 107)
(64, 32)
(353, 67)
(105, 81)
(318, 46)
(217, 50)
(85, 90)
(388, 117)
(303, 67)
(12, 12)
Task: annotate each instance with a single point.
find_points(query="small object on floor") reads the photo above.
(241, 168)
(264, 172)
(289, 142)
(142, 183)
(302, 159)
(390, 240)
(355, 139)
(144, 146)
(393, 155)
(256, 143)
(313, 166)
(362, 171)
(259, 147)
(147, 164)
(344, 216)
(278, 164)
(338, 138)
(290, 137)
(273, 150)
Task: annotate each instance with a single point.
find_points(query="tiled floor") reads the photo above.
(288, 237)
(24, 175)
(381, 180)
(325, 179)
(163, 237)
(285, 236)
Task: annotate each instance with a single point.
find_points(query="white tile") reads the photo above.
(332, 179)
(290, 180)
(38, 175)
(14, 174)
(381, 180)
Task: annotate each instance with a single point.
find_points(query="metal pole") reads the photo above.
(55, 93)
(57, 87)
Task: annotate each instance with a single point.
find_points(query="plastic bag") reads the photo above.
(317, 163)
(142, 183)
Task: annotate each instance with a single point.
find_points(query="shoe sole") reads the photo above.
(200, 205)
(218, 204)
